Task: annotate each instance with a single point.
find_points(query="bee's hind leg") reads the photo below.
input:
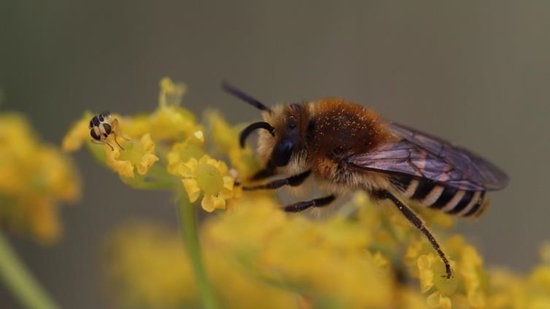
(417, 222)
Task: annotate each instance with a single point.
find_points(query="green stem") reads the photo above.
(19, 280)
(188, 227)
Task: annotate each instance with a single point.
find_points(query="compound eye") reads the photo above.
(282, 152)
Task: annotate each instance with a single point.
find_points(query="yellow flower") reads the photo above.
(321, 262)
(183, 152)
(34, 178)
(426, 271)
(58, 176)
(170, 122)
(275, 260)
(138, 156)
(147, 267)
(171, 93)
(209, 177)
(470, 269)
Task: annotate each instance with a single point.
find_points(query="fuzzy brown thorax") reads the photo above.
(319, 136)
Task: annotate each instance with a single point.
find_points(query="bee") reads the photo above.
(346, 146)
(101, 126)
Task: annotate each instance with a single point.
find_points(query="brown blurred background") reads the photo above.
(475, 73)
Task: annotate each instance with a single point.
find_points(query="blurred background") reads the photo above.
(474, 73)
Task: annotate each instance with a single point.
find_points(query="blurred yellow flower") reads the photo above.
(275, 260)
(170, 122)
(77, 134)
(34, 178)
(438, 300)
(171, 93)
(470, 270)
(147, 267)
(425, 271)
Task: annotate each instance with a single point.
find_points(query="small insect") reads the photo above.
(101, 126)
(345, 146)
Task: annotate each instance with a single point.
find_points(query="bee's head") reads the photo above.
(282, 128)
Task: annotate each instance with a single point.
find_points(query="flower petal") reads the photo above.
(210, 203)
(192, 189)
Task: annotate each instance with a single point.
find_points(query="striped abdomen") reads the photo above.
(437, 196)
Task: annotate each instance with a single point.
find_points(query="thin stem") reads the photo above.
(19, 280)
(188, 228)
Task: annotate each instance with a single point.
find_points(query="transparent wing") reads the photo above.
(424, 156)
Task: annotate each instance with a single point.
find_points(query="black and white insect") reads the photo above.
(101, 126)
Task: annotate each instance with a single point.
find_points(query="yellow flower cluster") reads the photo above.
(259, 257)
(34, 178)
(162, 149)
(160, 282)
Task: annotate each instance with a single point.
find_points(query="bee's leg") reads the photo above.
(292, 181)
(268, 171)
(103, 142)
(415, 220)
(318, 202)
